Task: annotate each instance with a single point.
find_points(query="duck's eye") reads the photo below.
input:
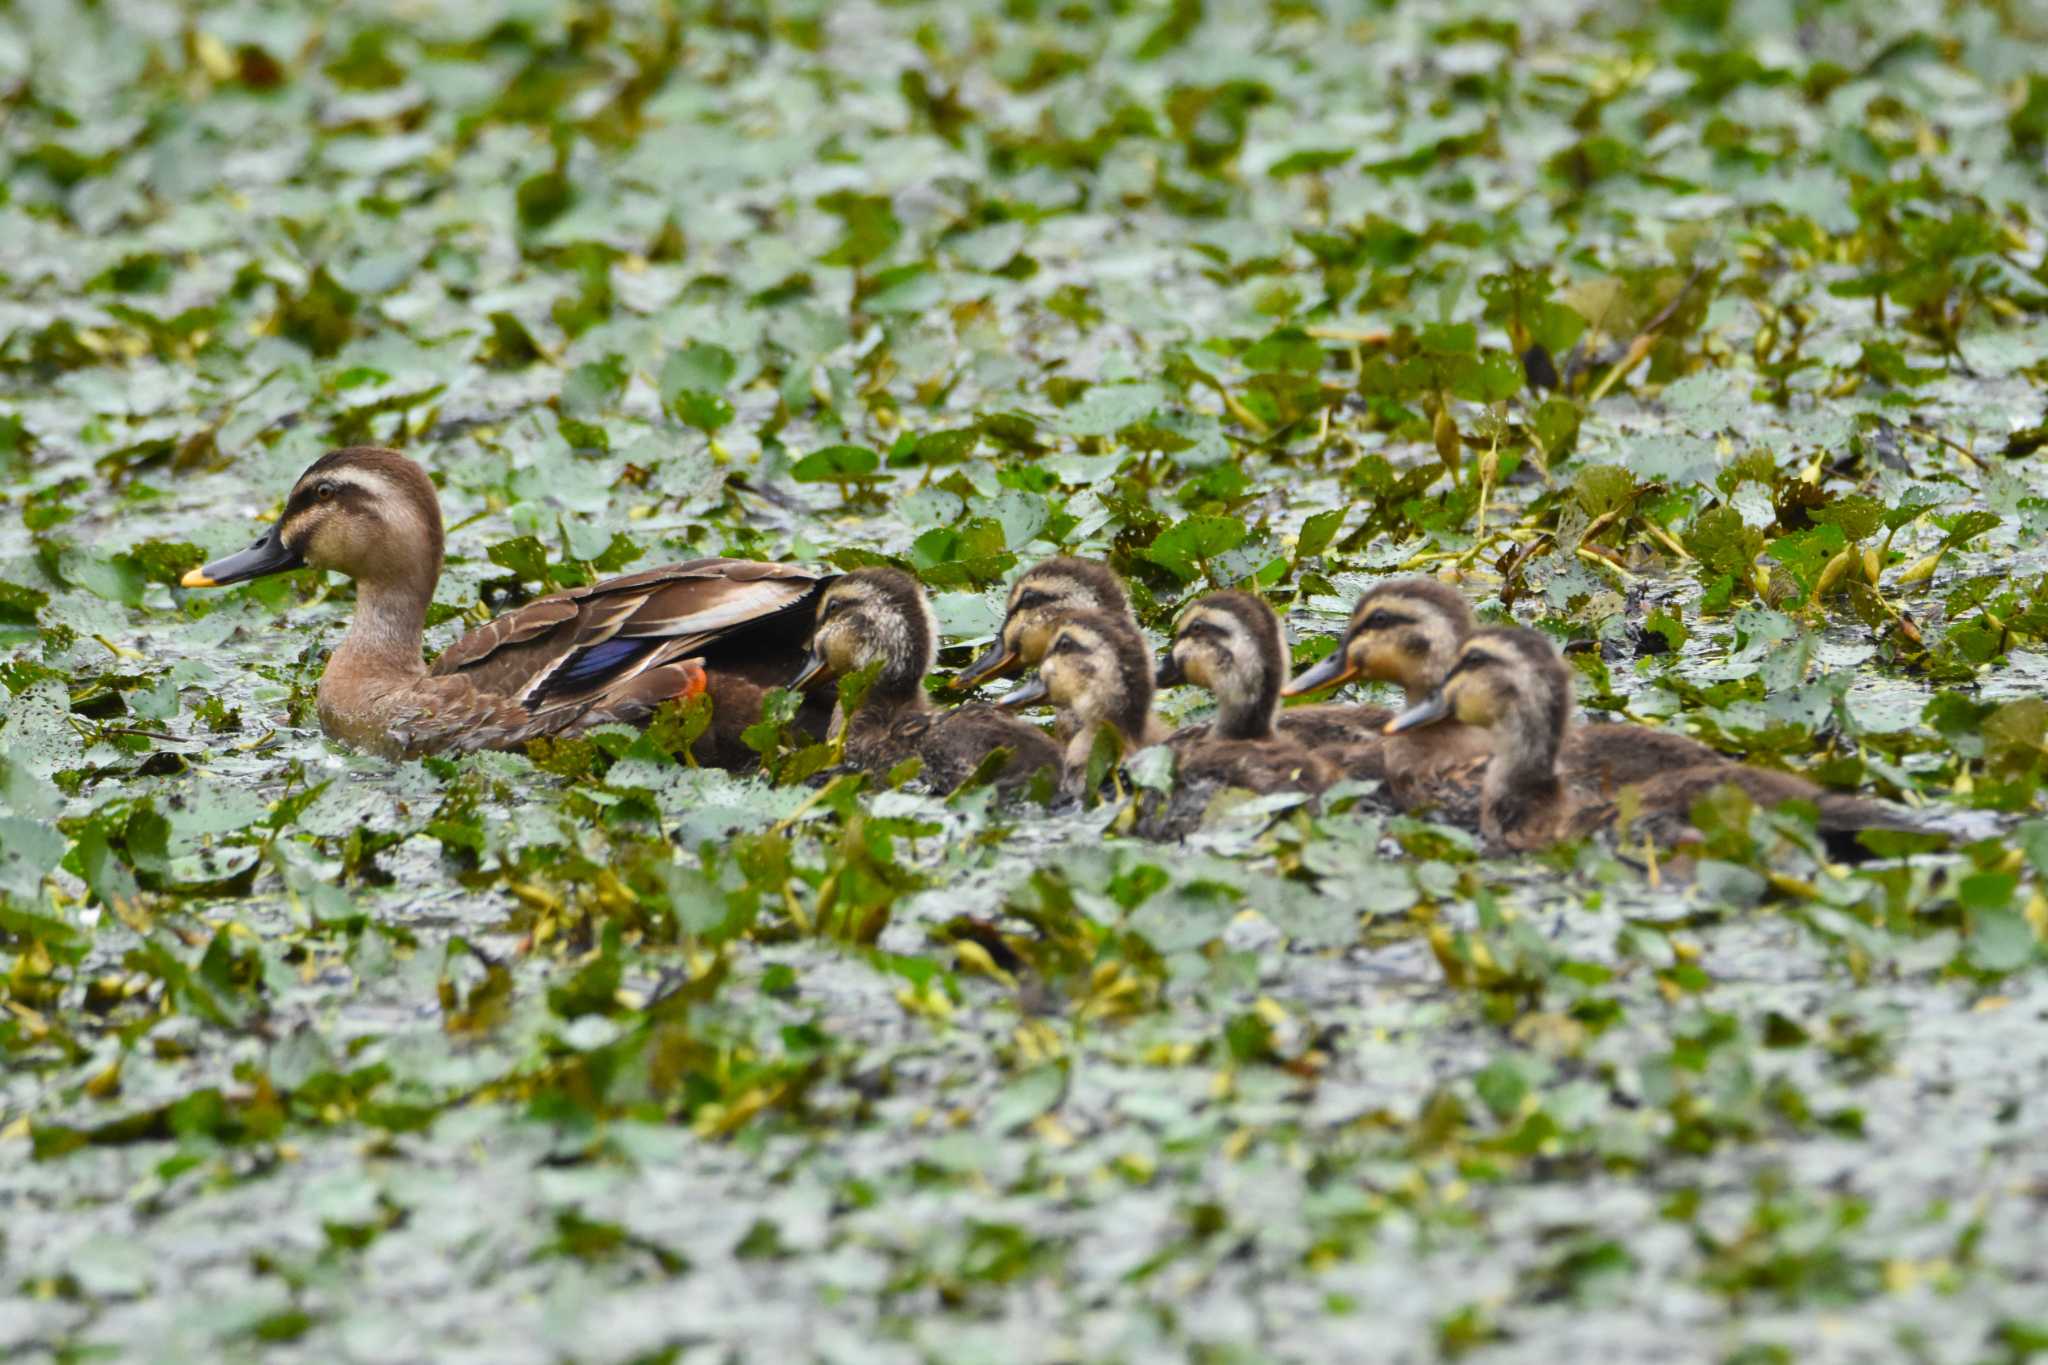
(1031, 599)
(1466, 663)
(1379, 620)
(324, 490)
(1065, 645)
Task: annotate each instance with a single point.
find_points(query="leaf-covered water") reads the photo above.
(1708, 337)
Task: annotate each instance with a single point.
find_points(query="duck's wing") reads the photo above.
(572, 648)
(452, 714)
(1601, 758)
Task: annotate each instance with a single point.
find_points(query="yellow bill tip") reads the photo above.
(196, 578)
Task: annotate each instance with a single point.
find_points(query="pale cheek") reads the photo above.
(1028, 642)
(838, 649)
(1474, 708)
(1197, 670)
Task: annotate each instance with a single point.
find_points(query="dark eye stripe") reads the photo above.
(1466, 662)
(1386, 620)
(1032, 599)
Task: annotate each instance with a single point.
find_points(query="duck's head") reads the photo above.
(1231, 644)
(1098, 669)
(1045, 595)
(1406, 632)
(869, 617)
(1506, 677)
(366, 512)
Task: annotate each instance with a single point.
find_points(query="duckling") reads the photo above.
(881, 617)
(1231, 644)
(1408, 631)
(1512, 681)
(1097, 670)
(608, 652)
(1043, 596)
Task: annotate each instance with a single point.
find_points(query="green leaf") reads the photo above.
(707, 412)
(701, 366)
(1186, 546)
(1027, 1097)
(594, 386)
(1311, 161)
(836, 464)
(2000, 941)
(1290, 349)
(1317, 533)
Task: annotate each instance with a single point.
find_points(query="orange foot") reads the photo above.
(695, 680)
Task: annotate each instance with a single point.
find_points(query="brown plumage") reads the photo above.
(1511, 681)
(880, 618)
(609, 652)
(1098, 670)
(1231, 643)
(1407, 631)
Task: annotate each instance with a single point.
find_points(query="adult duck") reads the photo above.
(609, 652)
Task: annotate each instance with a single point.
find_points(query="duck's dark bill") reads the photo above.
(994, 661)
(813, 666)
(268, 555)
(1024, 694)
(1428, 711)
(1169, 674)
(1330, 672)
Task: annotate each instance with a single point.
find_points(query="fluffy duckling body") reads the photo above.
(881, 618)
(1098, 670)
(1512, 682)
(609, 652)
(1408, 631)
(1231, 644)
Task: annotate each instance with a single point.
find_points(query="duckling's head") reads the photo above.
(366, 512)
(1506, 677)
(1098, 669)
(1045, 595)
(874, 616)
(1406, 632)
(1231, 644)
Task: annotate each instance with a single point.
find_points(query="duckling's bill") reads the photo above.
(994, 661)
(813, 666)
(267, 556)
(1331, 672)
(1170, 673)
(1027, 693)
(1428, 711)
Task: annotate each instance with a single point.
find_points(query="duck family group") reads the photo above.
(1487, 737)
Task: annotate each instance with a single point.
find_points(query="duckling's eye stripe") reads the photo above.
(1386, 620)
(1467, 662)
(1032, 598)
